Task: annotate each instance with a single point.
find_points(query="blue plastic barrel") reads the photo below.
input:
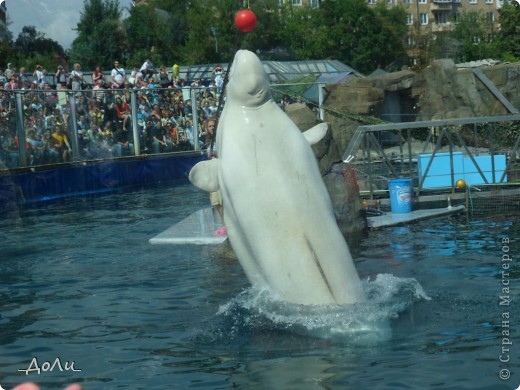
(400, 195)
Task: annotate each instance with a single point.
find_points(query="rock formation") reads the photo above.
(441, 91)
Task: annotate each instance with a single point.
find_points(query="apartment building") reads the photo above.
(432, 16)
(307, 3)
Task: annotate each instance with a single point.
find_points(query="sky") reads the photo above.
(55, 18)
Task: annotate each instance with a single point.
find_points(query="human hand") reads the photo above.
(34, 386)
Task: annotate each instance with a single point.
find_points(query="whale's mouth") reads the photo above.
(256, 311)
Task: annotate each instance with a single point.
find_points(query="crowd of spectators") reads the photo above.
(104, 119)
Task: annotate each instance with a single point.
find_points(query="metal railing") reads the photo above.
(436, 154)
(91, 120)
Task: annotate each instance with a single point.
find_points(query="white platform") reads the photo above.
(197, 229)
(393, 219)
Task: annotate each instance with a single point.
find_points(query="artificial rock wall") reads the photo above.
(441, 91)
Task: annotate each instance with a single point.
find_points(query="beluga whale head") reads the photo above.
(279, 217)
(248, 82)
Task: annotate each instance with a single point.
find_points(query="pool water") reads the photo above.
(80, 283)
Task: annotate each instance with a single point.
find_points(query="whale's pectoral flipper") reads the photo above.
(316, 133)
(204, 175)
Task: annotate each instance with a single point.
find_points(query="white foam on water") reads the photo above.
(364, 323)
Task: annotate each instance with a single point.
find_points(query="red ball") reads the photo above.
(245, 20)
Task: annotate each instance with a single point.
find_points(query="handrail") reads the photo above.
(17, 107)
(447, 131)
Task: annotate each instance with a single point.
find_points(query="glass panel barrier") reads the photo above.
(40, 127)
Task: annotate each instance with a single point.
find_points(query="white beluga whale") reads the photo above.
(278, 213)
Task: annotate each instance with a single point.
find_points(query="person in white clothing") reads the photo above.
(136, 77)
(76, 77)
(9, 72)
(39, 75)
(147, 69)
(118, 76)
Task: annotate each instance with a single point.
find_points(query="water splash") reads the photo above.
(255, 310)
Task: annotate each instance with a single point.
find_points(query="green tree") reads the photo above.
(199, 47)
(392, 36)
(156, 30)
(6, 44)
(362, 37)
(507, 40)
(203, 31)
(32, 42)
(33, 47)
(212, 36)
(474, 36)
(266, 37)
(176, 25)
(303, 32)
(101, 36)
(142, 28)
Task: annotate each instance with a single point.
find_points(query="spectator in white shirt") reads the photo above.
(147, 69)
(118, 76)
